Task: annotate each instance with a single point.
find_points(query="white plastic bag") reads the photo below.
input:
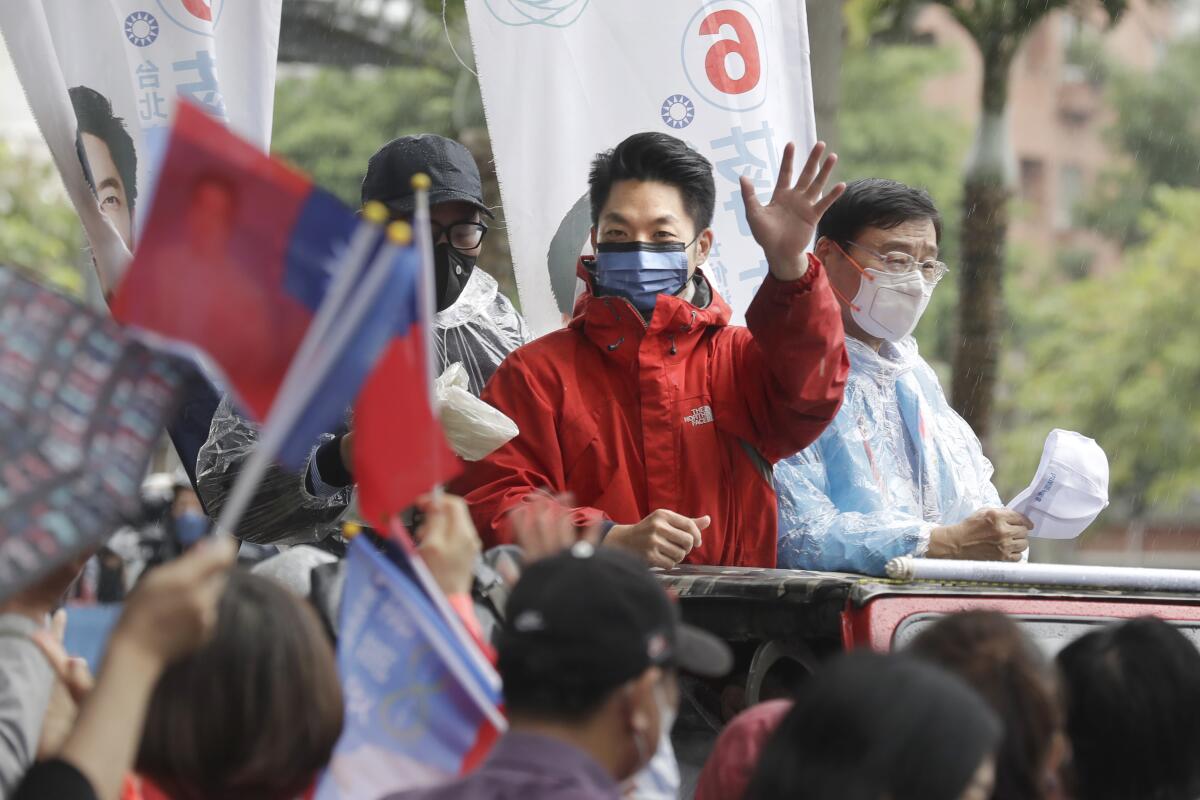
(473, 428)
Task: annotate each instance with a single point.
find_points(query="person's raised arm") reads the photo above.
(26, 677)
(784, 228)
(172, 612)
(783, 379)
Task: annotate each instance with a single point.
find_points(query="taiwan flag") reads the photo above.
(418, 712)
(240, 256)
(400, 450)
(237, 254)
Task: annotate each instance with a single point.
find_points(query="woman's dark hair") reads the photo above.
(989, 652)
(656, 157)
(876, 203)
(869, 726)
(256, 712)
(1133, 712)
(94, 115)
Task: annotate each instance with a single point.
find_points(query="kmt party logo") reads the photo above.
(550, 13)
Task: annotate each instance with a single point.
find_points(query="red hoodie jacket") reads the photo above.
(684, 412)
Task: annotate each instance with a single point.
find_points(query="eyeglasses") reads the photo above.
(902, 263)
(461, 235)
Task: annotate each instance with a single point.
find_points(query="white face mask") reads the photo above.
(667, 713)
(888, 305)
(659, 778)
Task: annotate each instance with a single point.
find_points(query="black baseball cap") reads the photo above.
(449, 165)
(594, 618)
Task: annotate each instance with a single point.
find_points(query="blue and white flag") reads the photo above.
(418, 710)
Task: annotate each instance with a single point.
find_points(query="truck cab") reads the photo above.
(782, 623)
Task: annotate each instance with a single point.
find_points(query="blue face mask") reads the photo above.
(641, 271)
(190, 527)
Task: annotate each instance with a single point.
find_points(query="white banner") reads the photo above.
(102, 78)
(565, 79)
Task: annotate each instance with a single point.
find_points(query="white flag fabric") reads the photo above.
(565, 79)
(103, 76)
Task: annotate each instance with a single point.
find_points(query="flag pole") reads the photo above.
(424, 235)
(470, 686)
(421, 185)
(303, 378)
(440, 601)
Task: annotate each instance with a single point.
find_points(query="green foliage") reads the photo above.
(999, 26)
(456, 10)
(888, 132)
(866, 20)
(39, 230)
(1114, 357)
(329, 121)
(1157, 127)
(1086, 51)
(1074, 263)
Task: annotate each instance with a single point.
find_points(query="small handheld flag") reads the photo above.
(416, 713)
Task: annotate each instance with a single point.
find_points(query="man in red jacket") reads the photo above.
(657, 416)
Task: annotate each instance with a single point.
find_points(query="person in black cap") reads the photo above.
(475, 325)
(588, 657)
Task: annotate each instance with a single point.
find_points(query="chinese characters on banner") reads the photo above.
(730, 77)
(81, 408)
(102, 78)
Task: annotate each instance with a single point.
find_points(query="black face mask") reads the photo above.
(453, 270)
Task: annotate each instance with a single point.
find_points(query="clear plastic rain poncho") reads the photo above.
(478, 331)
(896, 462)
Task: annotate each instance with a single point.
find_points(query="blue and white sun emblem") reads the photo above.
(678, 111)
(141, 28)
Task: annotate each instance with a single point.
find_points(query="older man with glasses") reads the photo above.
(898, 472)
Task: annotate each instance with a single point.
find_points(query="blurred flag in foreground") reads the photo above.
(400, 450)
(236, 256)
(82, 406)
(297, 301)
(418, 710)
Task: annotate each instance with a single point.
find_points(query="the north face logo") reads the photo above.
(700, 416)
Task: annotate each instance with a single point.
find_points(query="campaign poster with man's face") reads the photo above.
(108, 158)
(103, 78)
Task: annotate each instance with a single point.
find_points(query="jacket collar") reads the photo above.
(893, 360)
(614, 325)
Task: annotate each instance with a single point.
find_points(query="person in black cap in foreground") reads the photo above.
(588, 657)
(475, 325)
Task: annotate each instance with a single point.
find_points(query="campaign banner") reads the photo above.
(82, 406)
(730, 77)
(103, 77)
